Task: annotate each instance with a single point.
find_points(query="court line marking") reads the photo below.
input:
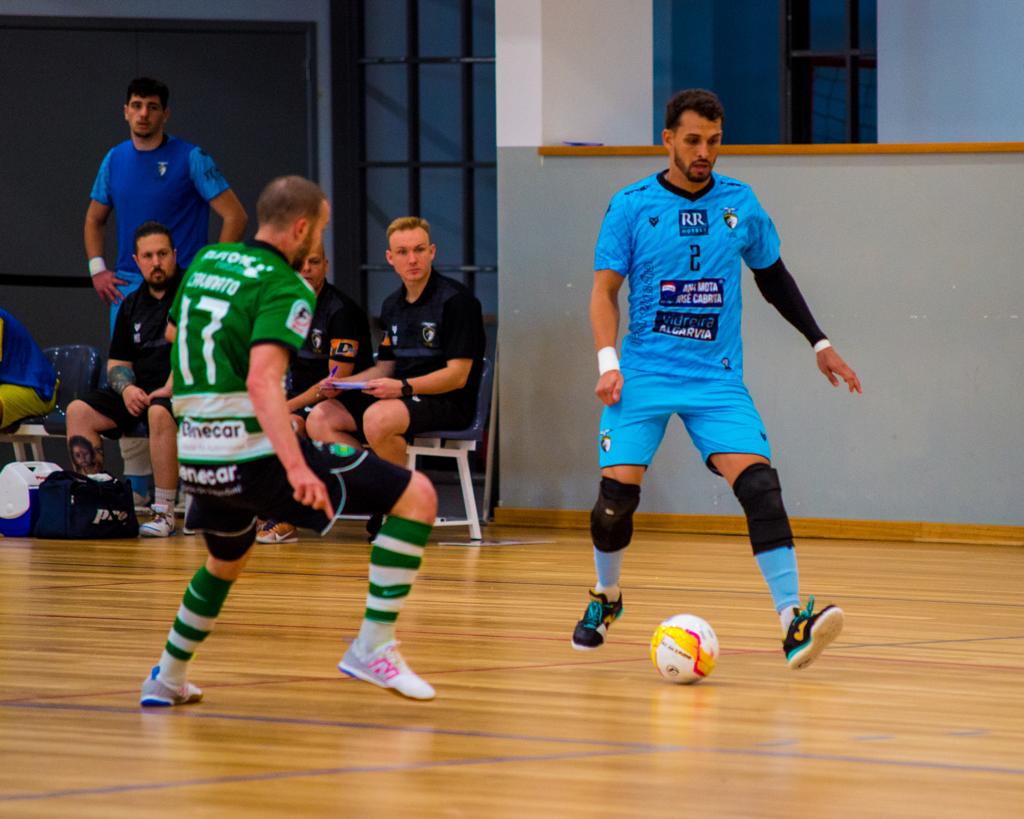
(610, 749)
(547, 666)
(440, 578)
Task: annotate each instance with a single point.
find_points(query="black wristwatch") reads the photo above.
(406, 388)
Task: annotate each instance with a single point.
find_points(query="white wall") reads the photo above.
(919, 291)
(950, 71)
(577, 70)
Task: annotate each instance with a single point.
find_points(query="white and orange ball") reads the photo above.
(684, 649)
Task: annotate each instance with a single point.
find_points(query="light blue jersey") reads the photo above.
(681, 254)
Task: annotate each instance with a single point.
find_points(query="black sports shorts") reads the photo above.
(435, 413)
(227, 497)
(107, 402)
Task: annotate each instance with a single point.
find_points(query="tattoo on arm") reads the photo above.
(120, 378)
(86, 459)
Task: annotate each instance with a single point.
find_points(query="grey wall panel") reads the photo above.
(909, 263)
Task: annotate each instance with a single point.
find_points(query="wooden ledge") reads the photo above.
(797, 150)
(906, 531)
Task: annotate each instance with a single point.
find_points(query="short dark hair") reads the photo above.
(147, 87)
(704, 102)
(151, 228)
(288, 198)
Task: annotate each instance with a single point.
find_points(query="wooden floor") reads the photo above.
(917, 710)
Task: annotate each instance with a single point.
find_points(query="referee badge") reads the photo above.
(730, 217)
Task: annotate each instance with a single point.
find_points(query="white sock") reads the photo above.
(613, 593)
(373, 635)
(165, 497)
(173, 672)
(786, 617)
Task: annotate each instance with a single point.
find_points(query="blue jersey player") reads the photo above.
(679, 237)
(154, 176)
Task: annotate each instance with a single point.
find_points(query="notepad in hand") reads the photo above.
(346, 385)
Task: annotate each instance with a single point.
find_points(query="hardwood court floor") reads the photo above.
(917, 711)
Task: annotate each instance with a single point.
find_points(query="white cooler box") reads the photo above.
(19, 505)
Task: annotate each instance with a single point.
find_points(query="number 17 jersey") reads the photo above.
(232, 297)
(682, 253)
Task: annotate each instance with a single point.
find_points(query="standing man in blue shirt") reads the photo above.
(679, 237)
(152, 176)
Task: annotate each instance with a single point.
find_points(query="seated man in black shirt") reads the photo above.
(338, 344)
(139, 377)
(428, 365)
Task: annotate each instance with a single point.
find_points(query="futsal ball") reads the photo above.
(684, 649)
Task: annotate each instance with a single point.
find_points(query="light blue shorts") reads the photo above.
(720, 416)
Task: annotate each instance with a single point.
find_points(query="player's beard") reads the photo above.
(302, 251)
(686, 171)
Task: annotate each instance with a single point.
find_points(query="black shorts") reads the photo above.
(354, 401)
(227, 497)
(107, 402)
(435, 413)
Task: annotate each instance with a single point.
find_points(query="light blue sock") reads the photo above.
(779, 569)
(609, 568)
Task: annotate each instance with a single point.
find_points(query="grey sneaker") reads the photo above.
(387, 668)
(162, 524)
(160, 694)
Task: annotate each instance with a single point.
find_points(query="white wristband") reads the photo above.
(96, 265)
(824, 344)
(607, 360)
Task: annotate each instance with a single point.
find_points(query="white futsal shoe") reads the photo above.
(157, 693)
(387, 668)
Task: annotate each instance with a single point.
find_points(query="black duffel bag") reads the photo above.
(76, 506)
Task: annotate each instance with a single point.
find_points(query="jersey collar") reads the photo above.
(267, 246)
(693, 197)
(430, 287)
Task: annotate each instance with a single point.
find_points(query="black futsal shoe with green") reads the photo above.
(592, 629)
(810, 634)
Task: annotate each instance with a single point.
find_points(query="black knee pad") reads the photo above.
(760, 495)
(232, 546)
(611, 520)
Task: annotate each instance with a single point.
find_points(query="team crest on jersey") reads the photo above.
(316, 339)
(693, 222)
(730, 218)
(299, 319)
(428, 332)
(344, 347)
(161, 168)
(605, 439)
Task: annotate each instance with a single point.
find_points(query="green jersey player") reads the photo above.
(240, 313)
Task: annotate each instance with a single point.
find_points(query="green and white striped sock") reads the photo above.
(196, 615)
(394, 561)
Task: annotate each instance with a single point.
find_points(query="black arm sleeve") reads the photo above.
(780, 290)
